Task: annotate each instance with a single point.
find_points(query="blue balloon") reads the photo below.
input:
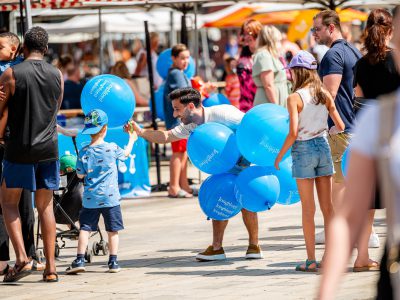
(159, 99)
(289, 193)
(215, 99)
(212, 148)
(110, 94)
(262, 133)
(164, 63)
(345, 161)
(257, 188)
(217, 198)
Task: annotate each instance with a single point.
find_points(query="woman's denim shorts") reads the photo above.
(312, 158)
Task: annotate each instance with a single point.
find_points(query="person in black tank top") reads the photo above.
(33, 95)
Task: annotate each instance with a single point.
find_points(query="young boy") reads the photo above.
(9, 49)
(97, 164)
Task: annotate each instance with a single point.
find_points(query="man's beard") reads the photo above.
(187, 118)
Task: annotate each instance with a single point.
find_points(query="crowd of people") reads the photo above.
(323, 98)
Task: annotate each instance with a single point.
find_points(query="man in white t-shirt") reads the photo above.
(186, 103)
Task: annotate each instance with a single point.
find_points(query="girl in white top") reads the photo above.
(309, 107)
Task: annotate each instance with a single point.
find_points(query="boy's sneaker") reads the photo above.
(210, 254)
(77, 266)
(113, 267)
(254, 252)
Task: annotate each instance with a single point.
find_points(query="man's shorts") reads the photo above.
(89, 218)
(43, 175)
(338, 144)
(179, 146)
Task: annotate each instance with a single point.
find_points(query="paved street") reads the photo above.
(157, 253)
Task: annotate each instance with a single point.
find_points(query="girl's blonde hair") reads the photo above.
(304, 77)
(269, 38)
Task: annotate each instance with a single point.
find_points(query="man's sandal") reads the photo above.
(307, 268)
(50, 277)
(18, 272)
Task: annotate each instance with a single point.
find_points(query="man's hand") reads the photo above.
(333, 130)
(132, 126)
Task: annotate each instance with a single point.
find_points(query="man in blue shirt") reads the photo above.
(336, 72)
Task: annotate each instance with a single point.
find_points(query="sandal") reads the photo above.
(18, 272)
(5, 270)
(181, 194)
(50, 277)
(372, 266)
(307, 268)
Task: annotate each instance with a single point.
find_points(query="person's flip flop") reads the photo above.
(369, 268)
(181, 194)
(18, 272)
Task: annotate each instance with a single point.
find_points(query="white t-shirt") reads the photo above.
(366, 131)
(225, 114)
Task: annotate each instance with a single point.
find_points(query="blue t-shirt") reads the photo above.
(341, 59)
(4, 65)
(176, 79)
(99, 164)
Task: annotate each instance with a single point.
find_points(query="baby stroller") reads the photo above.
(67, 203)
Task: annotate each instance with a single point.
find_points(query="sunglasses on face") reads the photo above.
(316, 29)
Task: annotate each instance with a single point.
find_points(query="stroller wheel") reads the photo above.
(57, 251)
(104, 247)
(96, 248)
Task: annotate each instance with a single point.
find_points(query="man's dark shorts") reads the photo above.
(89, 218)
(43, 175)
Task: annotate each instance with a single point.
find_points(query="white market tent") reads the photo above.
(86, 26)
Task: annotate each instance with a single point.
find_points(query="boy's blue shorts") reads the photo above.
(89, 218)
(42, 175)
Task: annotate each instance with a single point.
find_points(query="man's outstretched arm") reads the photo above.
(155, 136)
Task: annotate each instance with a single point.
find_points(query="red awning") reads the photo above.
(8, 5)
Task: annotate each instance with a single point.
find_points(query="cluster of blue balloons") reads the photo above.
(218, 150)
(110, 94)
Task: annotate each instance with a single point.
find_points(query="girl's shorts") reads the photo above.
(312, 158)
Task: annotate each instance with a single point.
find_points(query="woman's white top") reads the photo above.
(313, 119)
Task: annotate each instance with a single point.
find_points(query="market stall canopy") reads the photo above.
(333, 4)
(273, 13)
(159, 21)
(301, 24)
(9, 5)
